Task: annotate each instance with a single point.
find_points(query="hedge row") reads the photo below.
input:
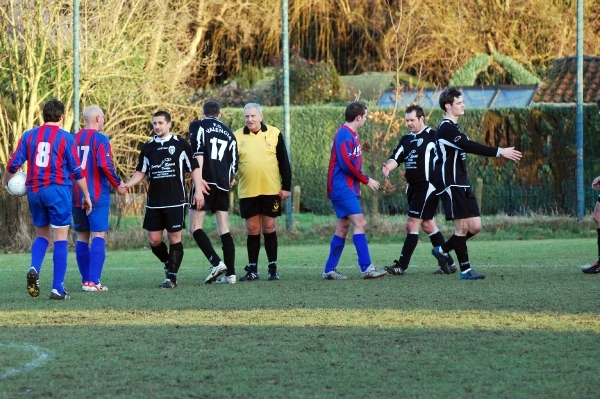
(544, 180)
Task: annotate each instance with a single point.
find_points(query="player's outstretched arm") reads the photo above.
(596, 183)
(388, 167)
(373, 184)
(135, 179)
(511, 153)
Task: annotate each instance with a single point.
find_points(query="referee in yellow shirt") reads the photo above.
(264, 180)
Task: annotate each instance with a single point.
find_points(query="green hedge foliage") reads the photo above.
(543, 181)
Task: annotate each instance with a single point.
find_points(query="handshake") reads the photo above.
(122, 189)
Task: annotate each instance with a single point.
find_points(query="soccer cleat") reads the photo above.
(273, 275)
(372, 272)
(88, 286)
(33, 282)
(55, 295)
(471, 275)
(215, 272)
(451, 267)
(442, 259)
(168, 284)
(593, 269)
(250, 275)
(333, 275)
(396, 270)
(226, 279)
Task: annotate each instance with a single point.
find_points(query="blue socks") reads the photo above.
(335, 252)
(362, 250)
(97, 257)
(60, 265)
(82, 253)
(38, 252)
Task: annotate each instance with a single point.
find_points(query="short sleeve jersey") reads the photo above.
(217, 145)
(453, 146)
(97, 167)
(345, 166)
(165, 163)
(418, 153)
(51, 158)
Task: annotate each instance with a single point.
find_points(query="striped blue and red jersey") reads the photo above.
(97, 167)
(345, 166)
(51, 158)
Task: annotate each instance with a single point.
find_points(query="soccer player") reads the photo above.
(164, 160)
(417, 151)
(595, 268)
(215, 149)
(343, 189)
(460, 204)
(265, 179)
(95, 154)
(51, 158)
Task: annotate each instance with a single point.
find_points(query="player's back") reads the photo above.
(50, 155)
(215, 142)
(95, 154)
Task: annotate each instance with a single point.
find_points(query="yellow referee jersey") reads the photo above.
(258, 168)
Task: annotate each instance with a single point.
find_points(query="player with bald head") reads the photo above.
(97, 167)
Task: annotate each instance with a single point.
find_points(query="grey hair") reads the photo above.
(253, 105)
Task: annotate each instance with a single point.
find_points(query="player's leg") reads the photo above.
(270, 209)
(203, 242)
(154, 224)
(228, 246)
(595, 268)
(336, 247)
(98, 221)
(41, 222)
(410, 243)
(175, 222)
(250, 211)
(57, 200)
(81, 225)
(367, 270)
(437, 240)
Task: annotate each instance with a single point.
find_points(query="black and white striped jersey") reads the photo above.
(418, 152)
(452, 148)
(164, 162)
(217, 145)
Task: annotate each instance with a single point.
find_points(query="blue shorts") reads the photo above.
(96, 221)
(346, 207)
(51, 206)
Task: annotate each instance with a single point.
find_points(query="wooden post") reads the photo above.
(296, 199)
(479, 191)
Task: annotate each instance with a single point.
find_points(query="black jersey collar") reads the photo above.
(263, 128)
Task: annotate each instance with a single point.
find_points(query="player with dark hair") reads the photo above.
(417, 151)
(343, 189)
(595, 268)
(215, 149)
(460, 204)
(265, 179)
(51, 158)
(164, 160)
(95, 153)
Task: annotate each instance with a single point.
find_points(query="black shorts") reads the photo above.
(422, 201)
(171, 219)
(215, 200)
(268, 205)
(460, 203)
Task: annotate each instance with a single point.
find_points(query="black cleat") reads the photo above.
(593, 269)
(442, 259)
(33, 283)
(56, 296)
(396, 270)
(168, 284)
(251, 275)
(273, 275)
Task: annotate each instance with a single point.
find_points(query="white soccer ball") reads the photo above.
(16, 184)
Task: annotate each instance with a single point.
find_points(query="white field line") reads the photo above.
(42, 356)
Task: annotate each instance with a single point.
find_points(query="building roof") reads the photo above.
(560, 83)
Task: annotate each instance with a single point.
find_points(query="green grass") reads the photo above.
(530, 329)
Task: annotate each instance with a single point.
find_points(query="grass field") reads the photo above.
(530, 329)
